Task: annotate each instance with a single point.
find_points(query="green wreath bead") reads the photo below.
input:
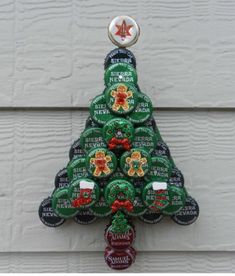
(119, 189)
(121, 98)
(135, 163)
(99, 111)
(120, 72)
(101, 162)
(116, 131)
(62, 205)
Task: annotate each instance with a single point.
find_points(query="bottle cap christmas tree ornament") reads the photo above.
(123, 31)
(99, 110)
(120, 73)
(120, 167)
(101, 163)
(120, 55)
(121, 98)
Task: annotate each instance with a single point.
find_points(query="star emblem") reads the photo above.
(123, 30)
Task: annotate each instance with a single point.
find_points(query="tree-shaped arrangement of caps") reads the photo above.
(119, 167)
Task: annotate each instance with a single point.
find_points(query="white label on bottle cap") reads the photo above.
(86, 185)
(159, 186)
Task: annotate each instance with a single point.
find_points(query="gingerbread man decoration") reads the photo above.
(136, 162)
(101, 163)
(121, 95)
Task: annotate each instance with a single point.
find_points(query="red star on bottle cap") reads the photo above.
(123, 31)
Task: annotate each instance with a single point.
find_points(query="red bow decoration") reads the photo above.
(122, 204)
(83, 199)
(115, 141)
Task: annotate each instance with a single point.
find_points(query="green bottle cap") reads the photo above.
(101, 208)
(136, 162)
(177, 198)
(101, 162)
(120, 72)
(155, 196)
(83, 192)
(120, 194)
(118, 133)
(92, 138)
(143, 110)
(160, 169)
(76, 168)
(62, 205)
(144, 138)
(121, 98)
(139, 206)
(99, 110)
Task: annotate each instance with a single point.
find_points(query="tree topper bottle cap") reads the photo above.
(123, 31)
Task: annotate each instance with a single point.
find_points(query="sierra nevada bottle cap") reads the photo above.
(62, 205)
(176, 178)
(83, 192)
(135, 163)
(151, 217)
(120, 55)
(188, 214)
(76, 168)
(121, 98)
(90, 123)
(61, 179)
(161, 149)
(177, 198)
(76, 150)
(47, 214)
(143, 110)
(123, 31)
(119, 73)
(101, 208)
(101, 162)
(92, 138)
(85, 216)
(118, 133)
(160, 169)
(99, 110)
(144, 138)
